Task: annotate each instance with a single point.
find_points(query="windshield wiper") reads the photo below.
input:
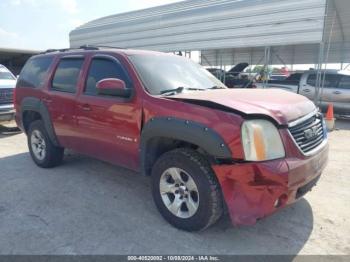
(218, 87)
(174, 90)
(179, 90)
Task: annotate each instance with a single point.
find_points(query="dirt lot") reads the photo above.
(89, 207)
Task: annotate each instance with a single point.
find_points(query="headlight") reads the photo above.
(261, 141)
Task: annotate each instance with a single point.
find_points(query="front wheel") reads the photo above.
(186, 191)
(43, 152)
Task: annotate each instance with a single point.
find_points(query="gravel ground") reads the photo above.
(89, 207)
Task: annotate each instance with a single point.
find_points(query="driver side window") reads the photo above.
(102, 68)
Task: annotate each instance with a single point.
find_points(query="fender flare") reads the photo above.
(183, 130)
(36, 105)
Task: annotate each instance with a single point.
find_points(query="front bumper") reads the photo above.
(255, 190)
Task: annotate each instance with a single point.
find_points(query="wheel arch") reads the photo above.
(33, 109)
(163, 134)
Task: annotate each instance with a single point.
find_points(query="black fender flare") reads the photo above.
(36, 105)
(183, 130)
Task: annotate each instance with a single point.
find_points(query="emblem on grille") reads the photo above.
(310, 133)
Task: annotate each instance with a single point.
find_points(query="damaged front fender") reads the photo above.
(253, 190)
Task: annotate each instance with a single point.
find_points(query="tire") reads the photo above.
(38, 140)
(203, 204)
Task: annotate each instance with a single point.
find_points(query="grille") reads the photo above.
(6, 96)
(309, 134)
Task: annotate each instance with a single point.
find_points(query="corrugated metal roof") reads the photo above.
(296, 54)
(209, 24)
(231, 31)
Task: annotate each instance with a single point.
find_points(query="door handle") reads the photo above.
(306, 90)
(85, 107)
(337, 92)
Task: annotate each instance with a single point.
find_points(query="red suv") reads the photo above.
(205, 147)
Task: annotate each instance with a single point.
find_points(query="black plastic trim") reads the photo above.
(36, 105)
(183, 130)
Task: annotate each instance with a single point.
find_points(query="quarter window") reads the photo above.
(67, 75)
(34, 73)
(102, 68)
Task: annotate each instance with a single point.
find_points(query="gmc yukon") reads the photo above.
(205, 147)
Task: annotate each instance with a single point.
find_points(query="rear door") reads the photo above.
(61, 98)
(109, 126)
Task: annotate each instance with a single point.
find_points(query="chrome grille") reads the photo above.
(6, 96)
(308, 134)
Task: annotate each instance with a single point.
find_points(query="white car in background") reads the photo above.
(7, 87)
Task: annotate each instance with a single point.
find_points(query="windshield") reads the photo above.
(160, 73)
(6, 75)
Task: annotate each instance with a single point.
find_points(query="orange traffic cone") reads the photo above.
(330, 120)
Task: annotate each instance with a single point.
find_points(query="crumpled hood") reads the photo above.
(282, 106)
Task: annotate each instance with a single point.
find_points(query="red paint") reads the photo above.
(273, 102)
(251, 189)
(110, 128)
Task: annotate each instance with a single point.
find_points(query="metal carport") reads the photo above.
(231, 31)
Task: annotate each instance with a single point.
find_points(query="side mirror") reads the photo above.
(113, 87)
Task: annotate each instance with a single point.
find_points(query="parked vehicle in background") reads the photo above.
(218, 73)
(336, 88)
(202, 144)
(234, 77)
(7, 87)
(279, 77)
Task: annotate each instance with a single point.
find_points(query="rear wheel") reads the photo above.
(186, 191)
(42, 150)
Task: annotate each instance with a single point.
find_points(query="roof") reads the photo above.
(209, 24)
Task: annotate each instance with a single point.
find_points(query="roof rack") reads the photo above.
(84, 47)
(101, 46)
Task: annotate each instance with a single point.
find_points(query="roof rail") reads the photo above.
(101, 46)
(84, 47)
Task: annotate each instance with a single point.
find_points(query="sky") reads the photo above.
(45, 24)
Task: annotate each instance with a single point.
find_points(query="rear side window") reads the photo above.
(345, 82)
(102, 68)
(67, 75)
(34, 73)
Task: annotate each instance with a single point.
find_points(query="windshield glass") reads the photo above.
(160, 73)
(6, 75)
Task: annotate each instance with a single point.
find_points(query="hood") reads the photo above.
(239, 68)
(284, 107)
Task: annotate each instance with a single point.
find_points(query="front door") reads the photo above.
(308, 86)
(109, 126)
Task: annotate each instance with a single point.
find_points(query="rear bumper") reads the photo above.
(253, 191)
(7, 113)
